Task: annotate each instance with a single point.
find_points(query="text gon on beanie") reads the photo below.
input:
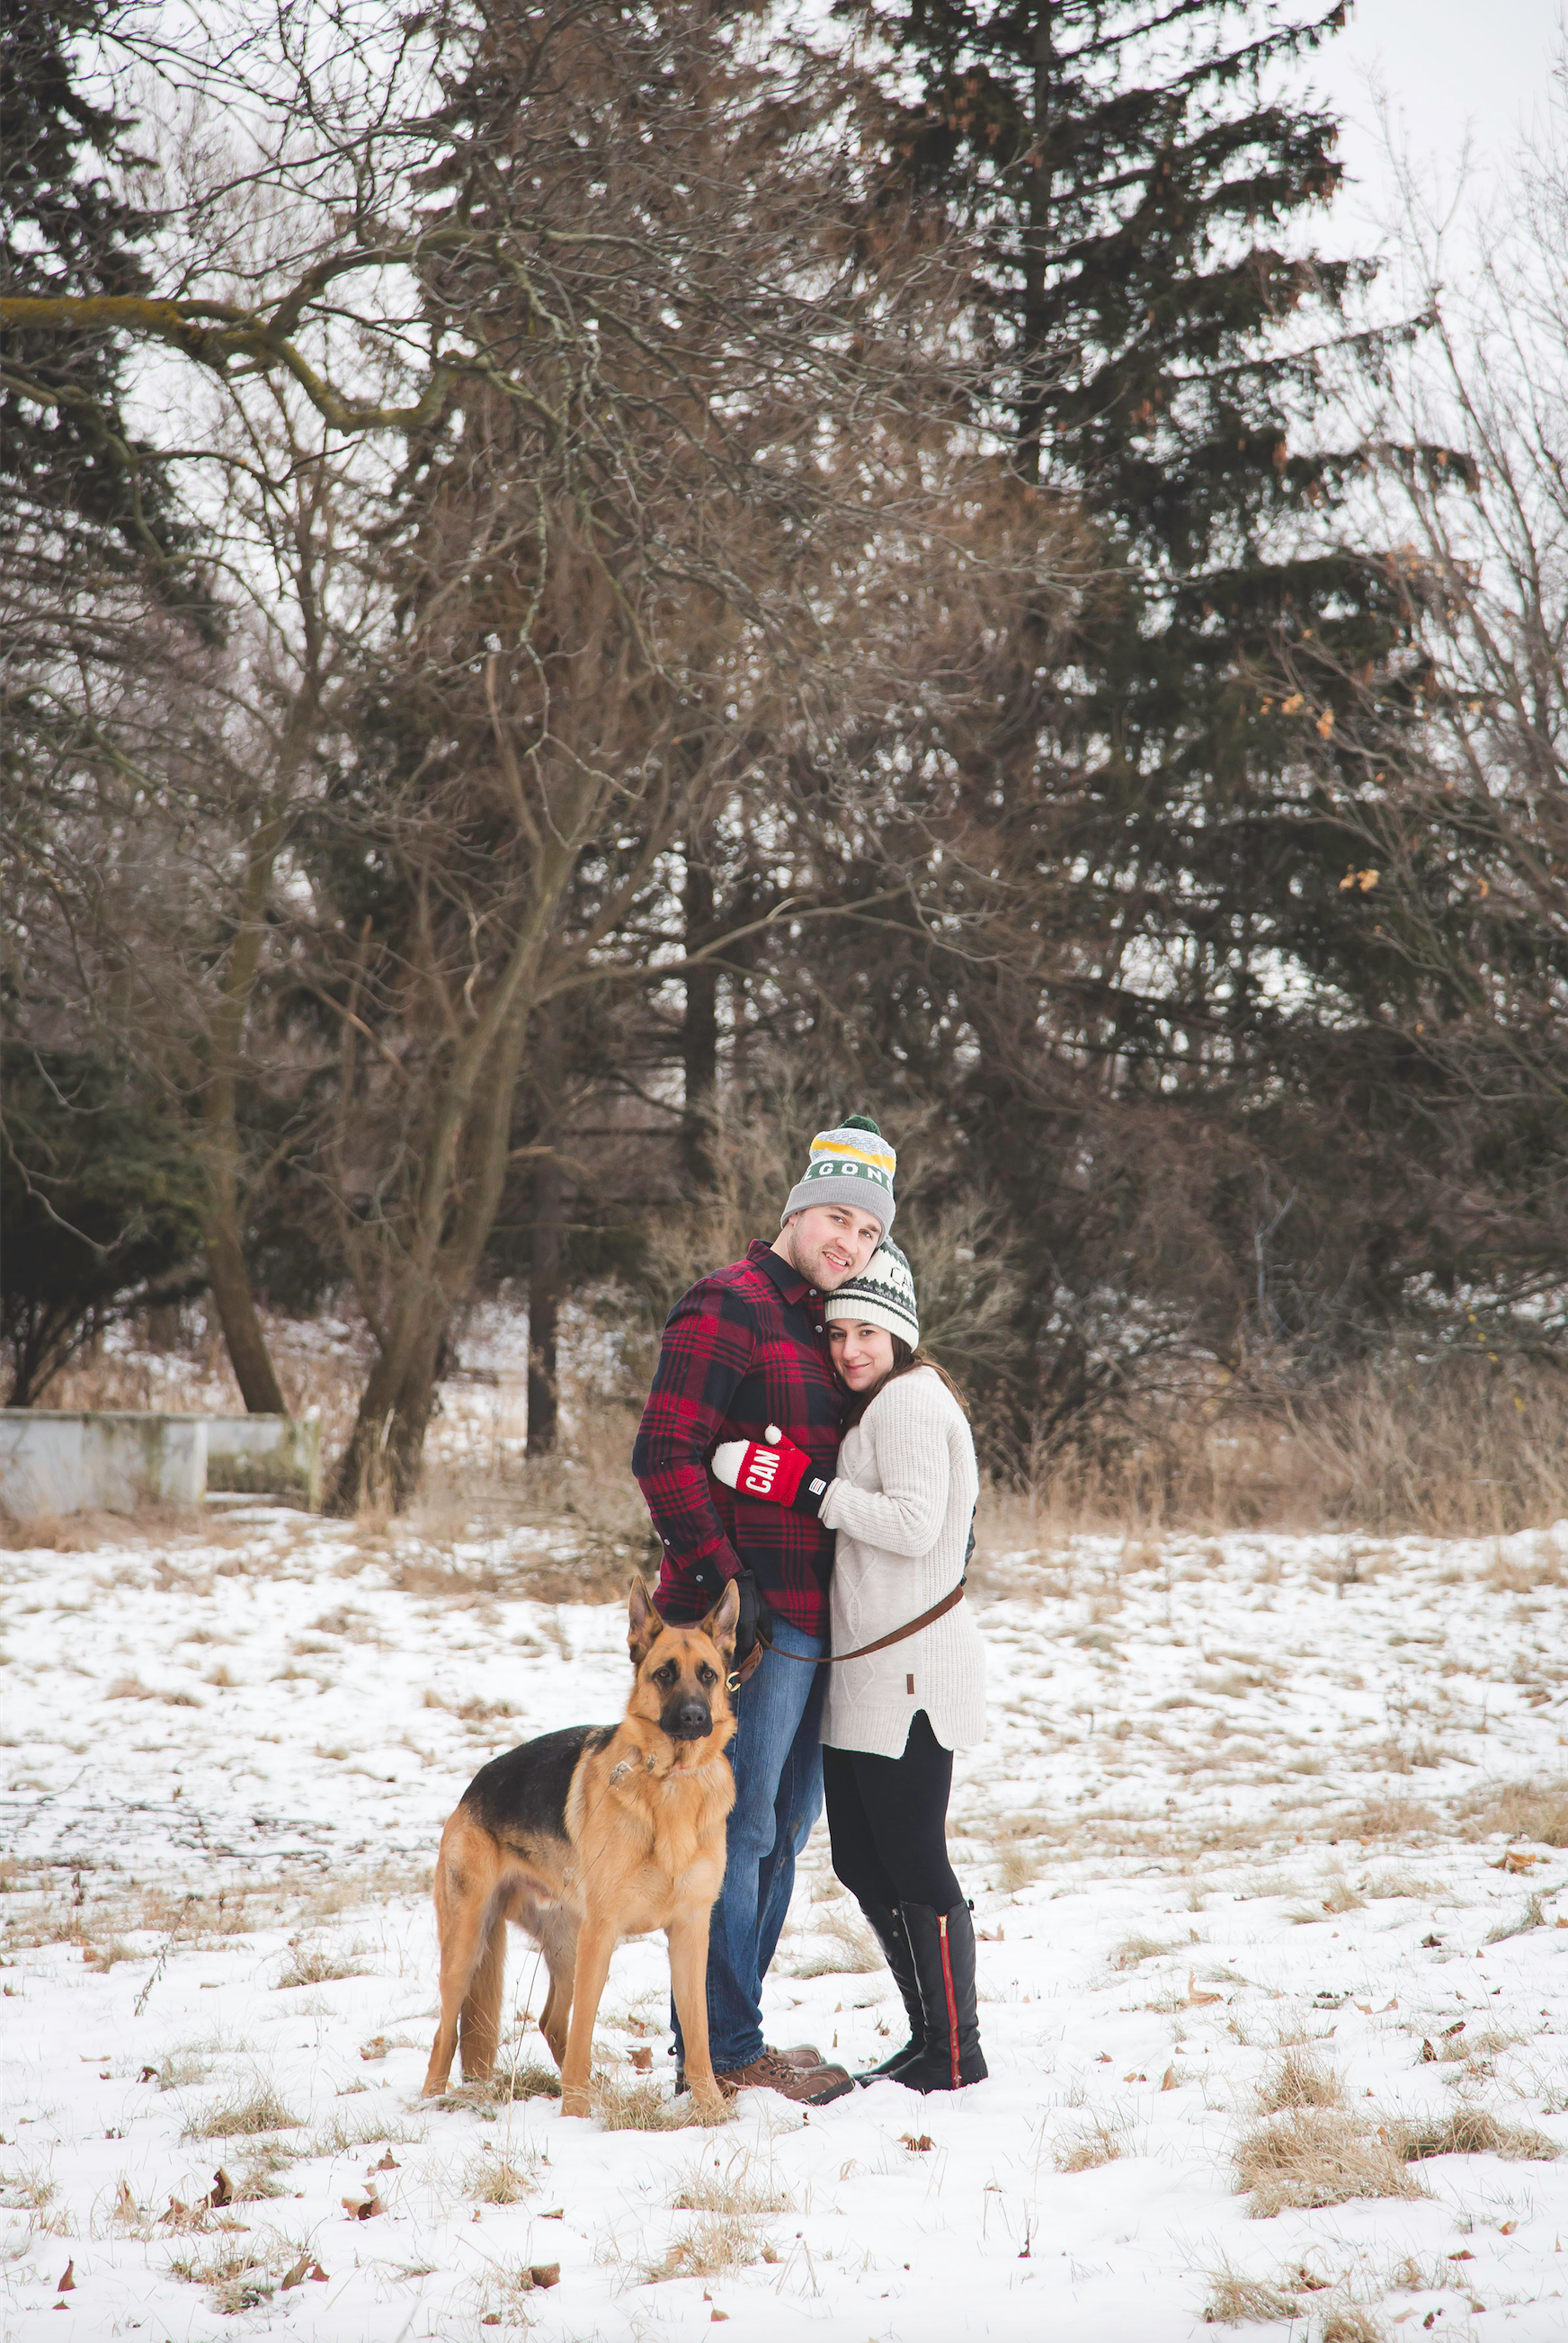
(851, 1164)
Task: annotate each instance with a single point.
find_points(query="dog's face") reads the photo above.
(682, 1672)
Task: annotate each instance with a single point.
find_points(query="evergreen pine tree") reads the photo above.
(1144, 174)
(66, 456)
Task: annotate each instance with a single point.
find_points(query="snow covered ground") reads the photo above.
(1264, 1822)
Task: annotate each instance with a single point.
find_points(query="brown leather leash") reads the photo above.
(753, 1659)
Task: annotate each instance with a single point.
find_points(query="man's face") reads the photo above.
(830, 1242)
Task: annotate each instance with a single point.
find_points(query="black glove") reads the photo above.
(756, 1619)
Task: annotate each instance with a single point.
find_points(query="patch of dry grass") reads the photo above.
(641, 2107)
(312, 1963)
(710, 2248)
(497, 2177)
(241, 2276)
(1137, 1947)
(1084, 2147)
(1298, 2078)
(1470, 2131)
(714, 2186)
(1349, 2323)
(257, 2110)
(1316, 2156)
(1019, 1867)
(1534, 1915)
(1536, 1811)
(28, 2188)
(850, 1949)
(1237, 2300)
(1389, 1887)
(1394, 1816)
(343, 2135)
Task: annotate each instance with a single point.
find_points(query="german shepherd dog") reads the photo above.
(588, 1835)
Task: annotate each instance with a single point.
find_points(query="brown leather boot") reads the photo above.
(773, 2072)
(804, 2055)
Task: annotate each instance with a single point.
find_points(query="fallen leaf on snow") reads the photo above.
(68, 2282)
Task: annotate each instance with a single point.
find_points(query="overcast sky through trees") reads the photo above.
(1444, 68)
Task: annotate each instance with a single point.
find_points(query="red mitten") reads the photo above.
(778, 1473)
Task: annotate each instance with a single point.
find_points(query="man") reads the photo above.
(743, 1352)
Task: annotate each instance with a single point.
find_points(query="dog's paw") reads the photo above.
(575, 2100)
(711, 2105)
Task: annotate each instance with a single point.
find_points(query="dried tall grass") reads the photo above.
(1537, 1811)
(1458, 1447)
(1316, 2156)
(1298, 2078)
(1237, 2300)
(1470, 2131)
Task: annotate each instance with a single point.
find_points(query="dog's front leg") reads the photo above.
(687, 1938)
(596, 1943)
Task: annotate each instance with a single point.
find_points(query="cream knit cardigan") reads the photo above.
(902, 1504)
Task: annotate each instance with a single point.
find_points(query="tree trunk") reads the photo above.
(544, 1306)
(230, 1278)
(242, 1330)
(383, 1459)
(699, 1029)
(1036, 323)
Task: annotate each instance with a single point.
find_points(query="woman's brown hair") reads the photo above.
(905, 1362)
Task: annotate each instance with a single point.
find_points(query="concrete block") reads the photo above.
(52, 1461)
(265, 1456)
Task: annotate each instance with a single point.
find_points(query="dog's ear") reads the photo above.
(720, 1622)
(644, 1624)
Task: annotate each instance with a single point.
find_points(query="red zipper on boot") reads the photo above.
(952, 2001)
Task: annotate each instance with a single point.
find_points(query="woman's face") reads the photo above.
(862, 1355)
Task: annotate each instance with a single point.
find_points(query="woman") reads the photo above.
(902, 1501)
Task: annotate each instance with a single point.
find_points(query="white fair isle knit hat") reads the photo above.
(882, 1296)
(852, 1164)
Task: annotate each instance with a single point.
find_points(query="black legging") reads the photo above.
(887, 1818)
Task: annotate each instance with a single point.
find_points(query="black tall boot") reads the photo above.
(943, 1947)
(887, 1927)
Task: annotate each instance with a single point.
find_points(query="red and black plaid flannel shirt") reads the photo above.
(744, 1349)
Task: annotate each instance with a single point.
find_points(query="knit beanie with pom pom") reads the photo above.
(851, 1164)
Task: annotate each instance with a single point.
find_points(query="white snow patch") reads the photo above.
(1223, 1803)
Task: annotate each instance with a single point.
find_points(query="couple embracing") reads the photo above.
(799, 1442)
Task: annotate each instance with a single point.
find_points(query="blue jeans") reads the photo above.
(777, 1756)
